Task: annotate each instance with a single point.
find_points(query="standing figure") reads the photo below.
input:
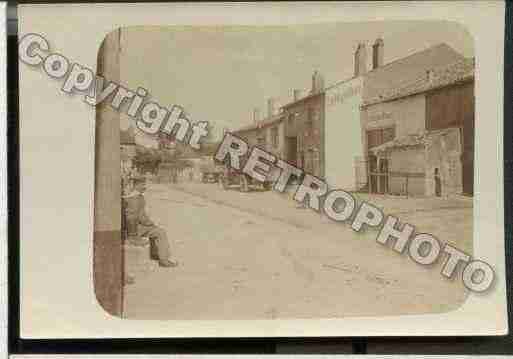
(438, 183)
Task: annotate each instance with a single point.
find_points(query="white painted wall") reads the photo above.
(343, 133)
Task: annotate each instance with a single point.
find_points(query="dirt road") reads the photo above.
(255, 256)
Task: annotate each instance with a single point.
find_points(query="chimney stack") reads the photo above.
(297, 94)
(256, 115)
(378, 53)
(317, 82)
(270, 107)
(430, 75)
(360, 60)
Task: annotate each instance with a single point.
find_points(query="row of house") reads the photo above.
(405, 127)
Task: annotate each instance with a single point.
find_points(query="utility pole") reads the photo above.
(108, 249)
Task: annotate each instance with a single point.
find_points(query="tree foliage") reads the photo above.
(149, 159)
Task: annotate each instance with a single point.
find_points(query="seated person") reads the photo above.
(139, 225)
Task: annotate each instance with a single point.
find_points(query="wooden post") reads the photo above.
(108, 250)
(388, 185)
(407, 176)
(378, 174)
(369, 174)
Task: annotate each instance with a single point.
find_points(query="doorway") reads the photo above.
(291, 148)
(383, 176)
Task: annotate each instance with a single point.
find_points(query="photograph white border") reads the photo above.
(77, 31)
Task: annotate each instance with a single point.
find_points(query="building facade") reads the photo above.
(323, 129)
(304, 129)
(419, 138)
(378, 130)
(268, 134)
(343, 150)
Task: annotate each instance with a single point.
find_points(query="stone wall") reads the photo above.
(443, 151)
(408, 115)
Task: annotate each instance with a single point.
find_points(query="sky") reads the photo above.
(219, 74)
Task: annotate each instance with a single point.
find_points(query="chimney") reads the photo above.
(270, 107)
(360, 60)
(297, 94)
(378, 53)
(256, 115)
(430, 75)
(317, 82)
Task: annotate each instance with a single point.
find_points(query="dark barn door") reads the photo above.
(467, 129)
(292, 150)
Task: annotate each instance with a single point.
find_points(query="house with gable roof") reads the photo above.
(419, 136)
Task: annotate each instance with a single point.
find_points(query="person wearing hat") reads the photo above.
(139, 225)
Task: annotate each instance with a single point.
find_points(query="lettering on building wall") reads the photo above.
(379, 116)
(341, 96)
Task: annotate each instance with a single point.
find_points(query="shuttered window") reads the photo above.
(379, 136)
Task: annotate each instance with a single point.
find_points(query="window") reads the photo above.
(274, 136)
(373, 138)
(315, 115)
(388, 134)
(379, 136)
(316, 163)
(292, 118)
(309, 122)
(291, 121)
(310, 115)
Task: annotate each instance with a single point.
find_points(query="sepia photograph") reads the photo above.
(261, 170)
(381, 110)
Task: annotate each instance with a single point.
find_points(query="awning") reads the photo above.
(409, 141)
